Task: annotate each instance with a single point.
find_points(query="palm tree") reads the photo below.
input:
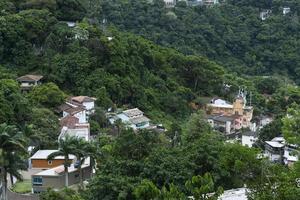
(12, 147)
(67, 146)
(81, 153)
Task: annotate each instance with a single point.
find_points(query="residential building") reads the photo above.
(277, 150)
(133, 118)
(210, 2)
(238, 110)
(265, 14)
(222, 123)
(291, 154)
(81, 107)
(28, 81)
(87, 102)
(194, 2)
(274, 149)
(39, 160)
(80, 130)
(170, 3)
(55, 177)
(249, 138)
(78, 112)
(286, 10)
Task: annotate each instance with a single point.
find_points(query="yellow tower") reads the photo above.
(238, 106)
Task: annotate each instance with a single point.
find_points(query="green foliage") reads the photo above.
(45, 127)
(14, 108)
(260, 47)
(196, 127)
(48, 95)
(202, 188)
(290, 125)
(146, 191)
(276, 183)
(65, 194)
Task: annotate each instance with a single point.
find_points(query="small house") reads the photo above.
(55, 177)
(286, 10)
(28, 81)
(249, 138)
(39, 160)
(274, 149)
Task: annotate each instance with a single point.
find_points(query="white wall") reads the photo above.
(248, 140)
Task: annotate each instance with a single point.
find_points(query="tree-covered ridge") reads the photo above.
(230, 33)
(121, 67)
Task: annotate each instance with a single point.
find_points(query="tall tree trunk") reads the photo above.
(4, 182)
(80, 176)
(66, 176)
(11, 179)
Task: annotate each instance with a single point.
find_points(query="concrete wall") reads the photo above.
(58, 182)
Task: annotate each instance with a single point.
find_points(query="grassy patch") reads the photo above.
(22, 187)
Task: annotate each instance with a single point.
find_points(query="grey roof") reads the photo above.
(138, 120)
(30, 77)
(133, 112)
(250, 133)
(220, 118)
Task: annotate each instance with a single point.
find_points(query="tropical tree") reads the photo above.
(83, 151)
(13, 151)
(67, 146)
(203, 188)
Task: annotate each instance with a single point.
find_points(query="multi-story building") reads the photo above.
(241, 113)
(39, 160)
(81, 107)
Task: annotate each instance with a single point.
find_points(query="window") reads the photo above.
(76, 175)
(37, 181)
(49, 162)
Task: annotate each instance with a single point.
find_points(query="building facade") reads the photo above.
(241, 113)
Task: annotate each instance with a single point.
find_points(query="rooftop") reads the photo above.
(133, 112)
(234, 194)
(81, 99)
(43, 154)
(60, 169)
(69, 121)
(74, 110)
(250, 133)
(137, 120)
(30, 77)
(275, 144)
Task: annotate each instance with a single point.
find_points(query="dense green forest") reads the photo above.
(231, 34)
(137, 53)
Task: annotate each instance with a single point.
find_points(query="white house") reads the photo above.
(210, 2)
(265, 14)
(133, 118)
(274, 149)
(249, 138)
(170, 3)
(80, 130)
(290, 155)
(286, 10)
(78, 112)
(80, 106)
(87, 102)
